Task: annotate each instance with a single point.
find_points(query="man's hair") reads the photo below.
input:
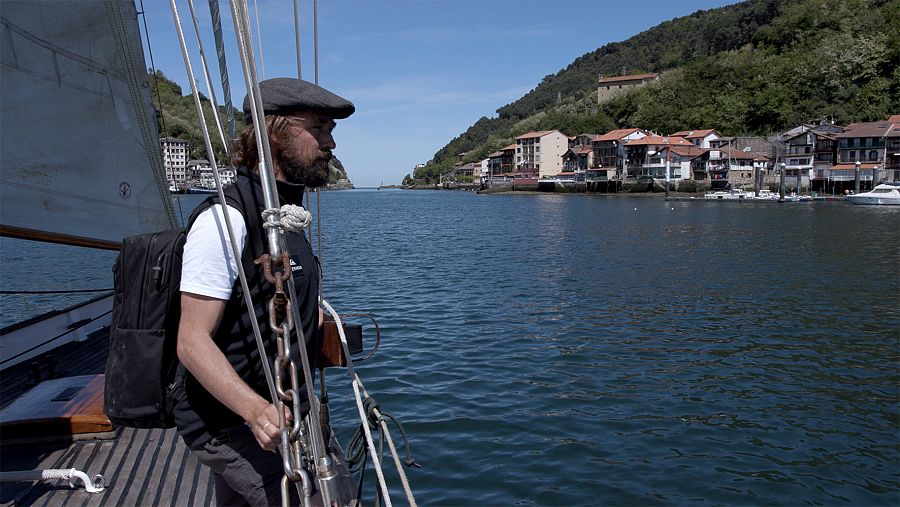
(244, 152)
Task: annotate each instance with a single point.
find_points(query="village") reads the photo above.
(822, 158)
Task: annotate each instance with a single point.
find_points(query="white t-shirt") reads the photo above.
(209, 267)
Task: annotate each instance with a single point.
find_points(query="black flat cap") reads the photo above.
(285, 95)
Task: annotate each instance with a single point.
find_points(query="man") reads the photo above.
(224, 413)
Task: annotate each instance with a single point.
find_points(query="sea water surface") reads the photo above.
(610, 350)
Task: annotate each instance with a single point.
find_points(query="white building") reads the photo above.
(540, 154)
(175, 158)
(202, 172)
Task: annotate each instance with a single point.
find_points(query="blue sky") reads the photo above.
(419, 71)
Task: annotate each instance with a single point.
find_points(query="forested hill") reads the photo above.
(756, 67)
(177, 117)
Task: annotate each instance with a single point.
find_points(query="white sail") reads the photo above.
(81, 160)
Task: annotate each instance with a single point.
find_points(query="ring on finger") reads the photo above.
(266, 426)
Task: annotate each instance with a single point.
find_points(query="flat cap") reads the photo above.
(284, 95)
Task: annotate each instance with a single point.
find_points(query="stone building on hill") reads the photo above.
(609, 87)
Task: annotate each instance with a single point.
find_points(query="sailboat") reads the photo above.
(82, 166)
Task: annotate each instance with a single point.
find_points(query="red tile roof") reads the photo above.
(690, 134)
(633, 77)
(615, 135)
(689, 151)
(741, 154)
(867, 129)
(894, 118)
(582, 150)
(539, 133)
(654, 140)
(510, 147)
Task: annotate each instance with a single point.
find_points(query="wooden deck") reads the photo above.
(140, 467)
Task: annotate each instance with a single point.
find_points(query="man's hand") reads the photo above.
(263, 423)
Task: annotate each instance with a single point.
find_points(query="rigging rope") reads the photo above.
(322, 462)
(297, 37)
(223, 68)
(241, 274)
(162, 117)
(209, 87)
(355, 383)
(262, 60)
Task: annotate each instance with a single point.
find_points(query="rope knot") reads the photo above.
(371, 406)
(294, 218)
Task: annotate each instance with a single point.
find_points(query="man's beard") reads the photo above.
(310, 175)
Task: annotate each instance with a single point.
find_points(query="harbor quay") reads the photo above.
(810, 159)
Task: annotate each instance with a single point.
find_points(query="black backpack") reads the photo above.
(142, 368)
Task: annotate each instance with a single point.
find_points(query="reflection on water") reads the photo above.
(557, 350)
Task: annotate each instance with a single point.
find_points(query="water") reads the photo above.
(585, 350)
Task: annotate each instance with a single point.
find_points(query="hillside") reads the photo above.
(177, 117)
(756, 67)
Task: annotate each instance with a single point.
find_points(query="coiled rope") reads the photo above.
(294, 218)
(356, 449)
(363, 409)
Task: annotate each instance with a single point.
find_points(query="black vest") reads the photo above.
(198, 414)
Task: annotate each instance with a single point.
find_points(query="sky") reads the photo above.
(420, 72)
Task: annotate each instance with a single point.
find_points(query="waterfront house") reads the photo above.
(728, 166)
(580, 156)
(501, 163)
(175, 157)
(892, 150)
(646, 156)
(701, 138)
(608, 87)
(578, 159)
(539, 154)
(467, 173)
(609, 154)
(804, 150)
(689, 162)
(863, 143)
(824, 158)
(805, 153)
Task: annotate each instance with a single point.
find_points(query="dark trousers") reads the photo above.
(245, 473)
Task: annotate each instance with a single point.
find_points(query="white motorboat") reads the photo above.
(765, 195)
(726, 195)
(886, 194)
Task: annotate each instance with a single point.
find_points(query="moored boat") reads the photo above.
(733, 194)
(766, 195)
(886, 194)
(201, 190)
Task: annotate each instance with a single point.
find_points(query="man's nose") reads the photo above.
(326, 141)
